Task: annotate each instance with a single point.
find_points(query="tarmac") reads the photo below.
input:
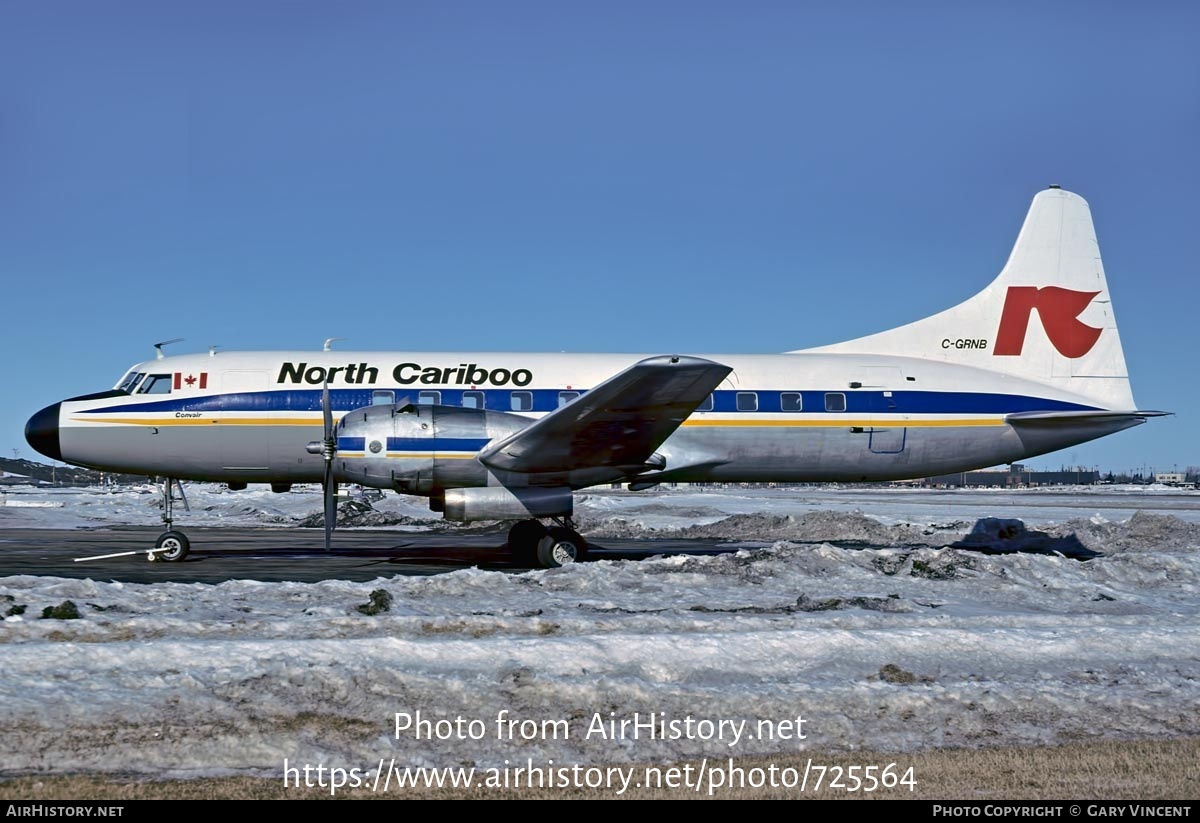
(290, 554)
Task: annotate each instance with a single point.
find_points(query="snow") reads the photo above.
(842, 606)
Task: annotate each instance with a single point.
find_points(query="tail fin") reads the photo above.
(1055, 273)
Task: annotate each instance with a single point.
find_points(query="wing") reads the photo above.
(619, 423)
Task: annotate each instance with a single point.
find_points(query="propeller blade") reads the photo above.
(330, 489)
(328, 484)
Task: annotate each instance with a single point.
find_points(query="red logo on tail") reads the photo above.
(1059, 310)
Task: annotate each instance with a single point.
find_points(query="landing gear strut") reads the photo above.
(533, 544)
(173, 543)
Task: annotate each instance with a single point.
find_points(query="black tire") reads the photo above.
(523, 540)
(176, 545)
(561, 547)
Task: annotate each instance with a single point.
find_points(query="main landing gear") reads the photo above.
(533, 544)
(171, 546)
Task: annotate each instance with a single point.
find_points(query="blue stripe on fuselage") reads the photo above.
(418, 444)
(438, 444)
(546, 400)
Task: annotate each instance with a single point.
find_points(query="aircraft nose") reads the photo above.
(41, 432)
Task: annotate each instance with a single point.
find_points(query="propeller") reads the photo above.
(327, 447)
(328, 484)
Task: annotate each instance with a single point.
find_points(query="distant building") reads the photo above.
(1015, 477)
(1170, 478)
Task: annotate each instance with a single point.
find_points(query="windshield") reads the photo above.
(131, 379)
(156, 384)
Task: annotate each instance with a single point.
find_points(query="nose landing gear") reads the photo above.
(172, 546)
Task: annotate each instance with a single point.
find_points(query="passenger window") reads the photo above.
(835, 402)
(706, 404)
(522, 401)
(472, 400)
(429, 398)
(383, 398)
(565, 397)
(156, 384)
(791, 401)
(747, 401)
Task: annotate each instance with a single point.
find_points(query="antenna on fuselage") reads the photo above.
(212, 350)
(329, 343)
(158, 346)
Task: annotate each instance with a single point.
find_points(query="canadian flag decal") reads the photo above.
(192, 381)
(1059, 310)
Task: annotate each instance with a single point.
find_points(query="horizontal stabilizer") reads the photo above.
(1045, 431)
(1071, 417)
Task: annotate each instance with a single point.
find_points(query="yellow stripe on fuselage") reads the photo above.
(842, 423)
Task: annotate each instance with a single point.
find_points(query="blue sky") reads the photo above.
(651, 176)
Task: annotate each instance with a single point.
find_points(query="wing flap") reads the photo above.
(619, 423)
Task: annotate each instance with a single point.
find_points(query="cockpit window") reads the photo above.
(130, 380)
(156, 384)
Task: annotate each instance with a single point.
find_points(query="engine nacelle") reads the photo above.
(418, 449)
(500, 503)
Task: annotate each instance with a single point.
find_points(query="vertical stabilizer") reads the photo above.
(1048, 316)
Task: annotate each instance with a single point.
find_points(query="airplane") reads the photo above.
(1031, 364)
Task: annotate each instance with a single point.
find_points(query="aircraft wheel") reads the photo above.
(175, 544)
(561, 547)
(523, 539)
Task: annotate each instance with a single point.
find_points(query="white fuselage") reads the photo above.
(247, 416)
